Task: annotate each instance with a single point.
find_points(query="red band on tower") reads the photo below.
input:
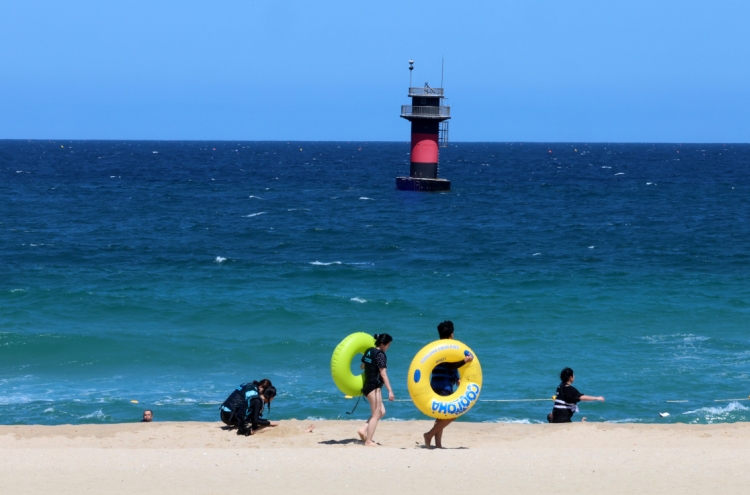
(424, 148)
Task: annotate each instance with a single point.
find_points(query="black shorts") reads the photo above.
(561, 416)
(369, 387)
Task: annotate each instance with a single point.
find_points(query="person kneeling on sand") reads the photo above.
(375, 362)
(567, 398)
(444, 377)
(245, 405)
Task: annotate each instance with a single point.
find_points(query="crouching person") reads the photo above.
(244, 407)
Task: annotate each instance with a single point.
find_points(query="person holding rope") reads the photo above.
(375, 362)
(567, 398)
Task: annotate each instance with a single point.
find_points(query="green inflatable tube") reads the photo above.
(341, 362)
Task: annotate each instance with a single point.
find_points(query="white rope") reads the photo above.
(545, 400)
(487, 400)
(514, 400)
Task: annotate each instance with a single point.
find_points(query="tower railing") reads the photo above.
(427, 112)
(428, 91)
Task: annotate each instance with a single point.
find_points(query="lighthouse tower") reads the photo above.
(429, 132)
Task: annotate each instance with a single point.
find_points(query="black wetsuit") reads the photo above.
(374, 360)
(244, 406)
(444, 377)
(566, 398)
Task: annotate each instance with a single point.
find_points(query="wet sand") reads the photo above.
(182, 458)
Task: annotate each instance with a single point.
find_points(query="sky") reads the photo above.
(530, 70)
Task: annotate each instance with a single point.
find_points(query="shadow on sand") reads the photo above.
(340, 442)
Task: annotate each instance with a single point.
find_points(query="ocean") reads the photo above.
(169, 272)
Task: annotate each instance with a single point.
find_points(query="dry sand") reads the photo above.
(184, 458)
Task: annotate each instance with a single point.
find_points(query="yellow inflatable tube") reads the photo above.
(418, 381)
(341, 362)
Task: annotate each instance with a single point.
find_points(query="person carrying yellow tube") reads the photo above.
(444, 377)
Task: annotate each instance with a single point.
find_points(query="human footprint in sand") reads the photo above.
(375, 362)
(444, 377)
(567, 398)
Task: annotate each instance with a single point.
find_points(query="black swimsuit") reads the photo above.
(374, 361)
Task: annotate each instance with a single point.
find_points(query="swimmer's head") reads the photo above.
(445, 329)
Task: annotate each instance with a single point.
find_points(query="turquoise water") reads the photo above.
(169, 272)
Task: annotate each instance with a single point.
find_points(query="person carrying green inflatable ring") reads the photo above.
(374, 363)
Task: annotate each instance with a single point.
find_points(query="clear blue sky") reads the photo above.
(525, 70)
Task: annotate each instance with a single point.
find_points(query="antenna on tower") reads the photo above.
(442, 71)
(411, 68)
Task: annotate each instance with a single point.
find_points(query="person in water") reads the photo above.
(375, 362)
(567, 398)
(245, 405)
(148, 416)
(444, 377)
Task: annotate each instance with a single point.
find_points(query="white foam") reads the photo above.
(536, 254)
(18, 290)
(50, 409)
(155, 152)
(591, 247)
(718, 411)
(320, 263)
(256, 197)
(219, 259)
(513, 421)
(358, 299)
(255, 214)
(98, 414)
(620, 173)
(366, 198)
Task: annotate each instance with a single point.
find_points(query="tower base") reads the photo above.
(425, 185)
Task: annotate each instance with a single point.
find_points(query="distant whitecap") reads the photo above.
(320, 263)
(254, 214)
(358, 299)
(99, 414)
(256, 197)
(366, 198)
(591, 247)
(536, 254)
(620, 173)
(219, 259)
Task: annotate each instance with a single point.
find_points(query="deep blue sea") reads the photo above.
(170, 272)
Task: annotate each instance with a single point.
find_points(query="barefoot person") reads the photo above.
(374, 362)
(444, 377)
(245, 405)
(567, 398)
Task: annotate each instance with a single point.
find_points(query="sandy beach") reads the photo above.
(184, 458)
